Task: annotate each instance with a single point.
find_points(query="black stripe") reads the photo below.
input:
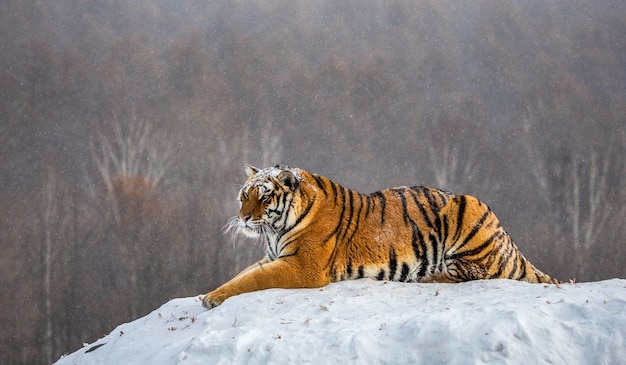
(331, 261)
(523, 274)
(351, 202)
(491, 257)
(304, 214)
(439, 229)
(333, 186)
(290, 254)
(460, 216)
(504, 260)
(414, 242)
(367, 209)
(405, 272)
(424, 263)
(419, 249)
(381, 275)
(435, 249)
(422, 270)
(358, 217)
(467, 272)
(405, 212)
(284, 199)
(443, 197)
(433, 242)
(500, 266)
(431, 199)
(361, 272)
(285, 213)
(481, 254)
(343, 210)
(422, 210)
(477, 226)
(350, 215)
(287, 243)
(320, 182)
(476, 250)
(271, 253)
(445, 228)
(383, 203)
(349, 268)
(393, 263)
(514, 269)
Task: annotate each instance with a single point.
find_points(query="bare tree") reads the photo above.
(133, 151)
(55, 221)
(538, 165)
(589, 182)
(580, 201)
(133, 165)
(449, 163)
(454, 156)
(48, 223)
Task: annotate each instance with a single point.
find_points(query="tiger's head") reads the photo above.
(266, 201)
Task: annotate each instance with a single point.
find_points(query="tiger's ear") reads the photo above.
(251, 170)
(288, 179)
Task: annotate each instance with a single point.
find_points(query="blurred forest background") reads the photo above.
(125, 127)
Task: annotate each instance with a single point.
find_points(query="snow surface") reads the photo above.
(367, 322)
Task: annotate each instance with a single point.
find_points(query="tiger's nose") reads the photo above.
(244, 218)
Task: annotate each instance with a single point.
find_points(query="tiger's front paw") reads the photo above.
(213, 299)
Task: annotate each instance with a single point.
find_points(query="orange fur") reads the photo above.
(317, 232)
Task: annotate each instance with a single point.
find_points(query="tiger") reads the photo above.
(316, 232)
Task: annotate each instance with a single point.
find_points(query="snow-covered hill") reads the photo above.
(363, 321)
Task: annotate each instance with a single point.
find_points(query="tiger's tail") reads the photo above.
(534, 275)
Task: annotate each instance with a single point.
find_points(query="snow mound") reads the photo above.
(364, 321)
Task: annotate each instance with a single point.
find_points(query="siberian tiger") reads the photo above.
(317, 232)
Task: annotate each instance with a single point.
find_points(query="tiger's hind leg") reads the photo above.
(439, 278)
(477, 247)
(457, 271)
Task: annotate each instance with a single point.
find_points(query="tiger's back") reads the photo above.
(317, 232)
(421, 234)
